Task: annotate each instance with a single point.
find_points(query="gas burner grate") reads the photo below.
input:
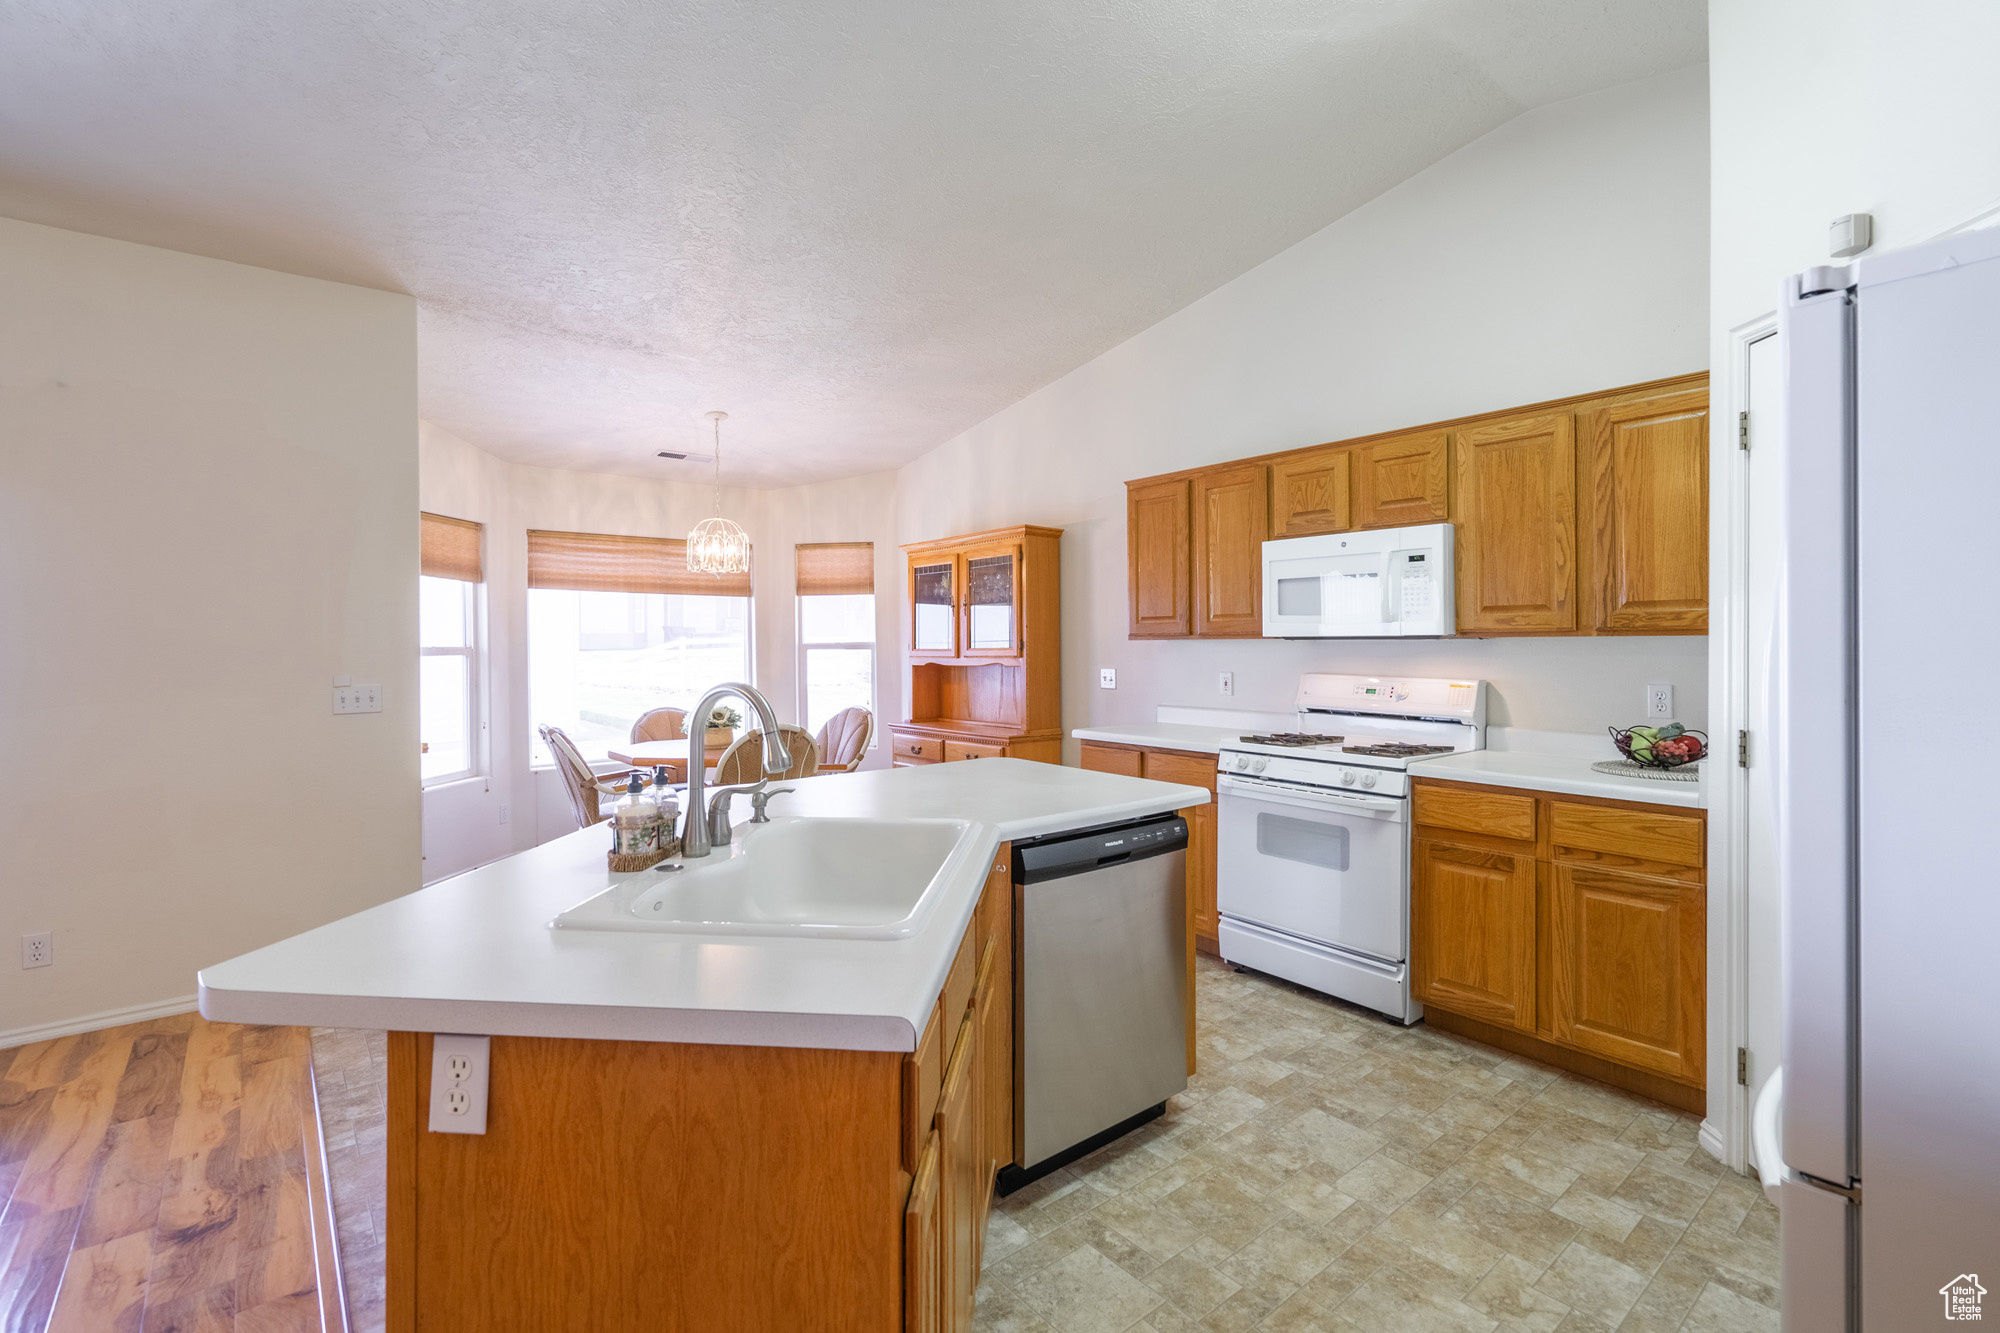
(1396, 750)
(1294, 738)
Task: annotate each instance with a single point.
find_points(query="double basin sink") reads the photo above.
(870, 879)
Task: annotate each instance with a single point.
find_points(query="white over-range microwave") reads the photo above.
(1388, 583)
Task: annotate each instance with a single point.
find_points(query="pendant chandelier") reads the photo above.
(718, 546)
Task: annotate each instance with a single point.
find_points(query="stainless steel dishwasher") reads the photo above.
(1103, 985)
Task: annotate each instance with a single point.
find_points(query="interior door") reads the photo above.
(1764, 463)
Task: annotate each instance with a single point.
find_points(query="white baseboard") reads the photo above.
(109, 1018)
(1710, 1139)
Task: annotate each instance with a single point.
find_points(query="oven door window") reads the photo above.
(1309, 842)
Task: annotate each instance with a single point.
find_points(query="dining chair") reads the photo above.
(584, 787)
(744, 761)
(661, 724)
(843, 741)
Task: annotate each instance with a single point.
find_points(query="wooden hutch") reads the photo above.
(983, 615)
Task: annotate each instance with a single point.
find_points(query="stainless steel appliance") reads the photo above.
(1890, 1119)
(1379, 583)
(1313, 847)
(1103, 953)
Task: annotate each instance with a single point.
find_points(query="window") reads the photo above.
(836, 587)
(448, 643)
(618, 626)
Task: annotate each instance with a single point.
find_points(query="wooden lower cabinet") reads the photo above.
(1191, 769)
(924, 1243)
(940, 742)
(1626, 958)
(1566, 928)
(1472, 931)
(958, 1121)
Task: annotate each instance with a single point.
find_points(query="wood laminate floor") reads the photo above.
(155, 1181)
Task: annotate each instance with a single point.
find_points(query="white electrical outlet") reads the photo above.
(459, 1067)
(358, 699)
(1659, 702)
(38, 949)
(1107, 678)
(1225, 682)
(504, 812)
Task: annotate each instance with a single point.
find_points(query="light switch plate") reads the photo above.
(1225, 682)
(358, 699)
(1107, 678)
(459, 1067)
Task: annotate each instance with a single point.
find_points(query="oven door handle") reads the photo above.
(1284, 793)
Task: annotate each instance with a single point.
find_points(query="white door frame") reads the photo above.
(1725, 1133)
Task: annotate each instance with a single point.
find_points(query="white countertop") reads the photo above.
(1569, 774)
(475, 953)
(1165, 735)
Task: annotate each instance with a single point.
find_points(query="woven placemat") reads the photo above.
(1625, 768)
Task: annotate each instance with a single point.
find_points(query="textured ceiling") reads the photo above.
(858, 228)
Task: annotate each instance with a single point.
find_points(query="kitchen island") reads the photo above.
(697, 1131)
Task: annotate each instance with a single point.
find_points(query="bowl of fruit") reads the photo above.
(1660, 747)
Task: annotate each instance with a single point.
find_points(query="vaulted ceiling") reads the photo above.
(859, 228)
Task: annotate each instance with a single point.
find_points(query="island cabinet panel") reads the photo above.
(1231, 516)
(964, 1193)
(1402, 481)
(1627, 960)
(1571, 929)
(924, 1244)
(650, 1185)
(1160, 554)
(1516, 537)
(1472, 926)
(1647, 489)
(1310, 493)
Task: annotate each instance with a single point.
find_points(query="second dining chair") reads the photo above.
(744, 761)
(662, 724)
(843, 741)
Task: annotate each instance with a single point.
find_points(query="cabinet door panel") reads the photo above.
(923, 1245)
(1648, 467)
(1158, 537)
(958, 1131)
(992, 600)
(1231, 516)
(1310, 493)
(1628, 956)
(935, 581)
(1516, 536)
(996, 1070)
(1401, 481)
(1472, 932)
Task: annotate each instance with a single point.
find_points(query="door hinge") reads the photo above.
(1743, 749)
(1742, 430)
(1743, 1066)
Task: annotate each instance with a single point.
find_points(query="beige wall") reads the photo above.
(1562, 253)
(463, 821)
(207, 511)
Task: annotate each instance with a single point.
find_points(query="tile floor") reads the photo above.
(1329, 1171)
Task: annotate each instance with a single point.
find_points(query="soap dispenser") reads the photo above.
(635, 828)
(670, 812)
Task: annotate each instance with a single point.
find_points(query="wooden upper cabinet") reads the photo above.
(1310, 493)
(1627, 954)
(1472, 931)
(1401, 481)
(1231, 515)
(1647, 468)
(1158, 545)
(1516, 534)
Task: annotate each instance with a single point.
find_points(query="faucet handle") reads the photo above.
(758, 799)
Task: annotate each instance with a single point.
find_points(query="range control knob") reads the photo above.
(1367, 779)
(1242, 761)
(1259, 765)
(1347, 778)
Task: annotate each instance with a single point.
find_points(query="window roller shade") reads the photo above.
(603, 562)
(449, 548)
(834, 569)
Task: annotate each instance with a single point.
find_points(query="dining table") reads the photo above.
(671, 755)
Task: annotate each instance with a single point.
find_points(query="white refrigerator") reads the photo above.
(1888, 819)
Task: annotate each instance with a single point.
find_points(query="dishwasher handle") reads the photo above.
(1057, 857)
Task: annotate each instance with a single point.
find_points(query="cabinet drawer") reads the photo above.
(917, 749)
(954, 750)
(1500, 814)
(923, 1076)
(958, 981)
(1189, 769)
(1111, 759)
(1675, 840)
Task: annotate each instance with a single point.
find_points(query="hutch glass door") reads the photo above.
(993, 603)
(933, 597)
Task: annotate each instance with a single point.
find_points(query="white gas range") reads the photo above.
(1313, 849)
